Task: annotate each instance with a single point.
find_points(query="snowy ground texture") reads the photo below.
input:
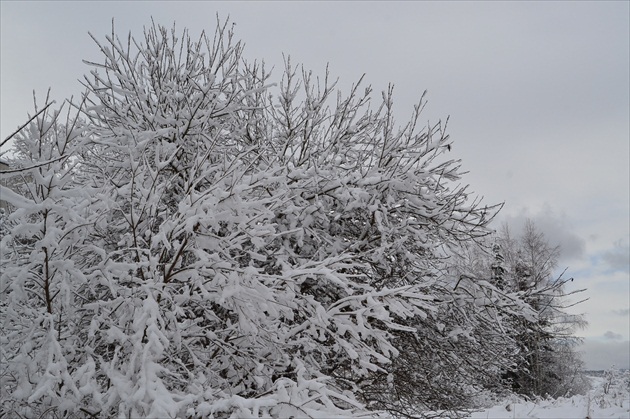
(605, 400)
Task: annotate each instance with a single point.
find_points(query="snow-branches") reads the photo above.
(198, 242)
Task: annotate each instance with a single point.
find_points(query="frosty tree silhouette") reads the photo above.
(550, 364)
(545, 360)
(195, 241)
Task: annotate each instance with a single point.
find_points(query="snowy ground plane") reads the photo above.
(603, 401)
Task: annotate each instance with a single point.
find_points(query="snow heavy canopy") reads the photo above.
(202, 243)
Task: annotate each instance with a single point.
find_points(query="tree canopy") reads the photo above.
(190, 239)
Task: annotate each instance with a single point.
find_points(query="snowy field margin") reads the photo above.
(609, 398)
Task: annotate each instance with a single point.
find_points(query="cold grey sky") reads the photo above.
(537, 93)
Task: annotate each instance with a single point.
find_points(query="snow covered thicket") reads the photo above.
(192, 241)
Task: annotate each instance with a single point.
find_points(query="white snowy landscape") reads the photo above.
(608, 398)
(198, 235)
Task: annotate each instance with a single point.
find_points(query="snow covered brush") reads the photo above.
(194, 241)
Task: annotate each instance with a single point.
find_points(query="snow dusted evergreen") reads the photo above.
(546, 362)
(192, 240)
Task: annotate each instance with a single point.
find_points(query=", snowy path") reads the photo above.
(612, 401)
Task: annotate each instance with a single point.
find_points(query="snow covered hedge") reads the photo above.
(190, 240)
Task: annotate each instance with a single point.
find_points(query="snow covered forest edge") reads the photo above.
(197, 237)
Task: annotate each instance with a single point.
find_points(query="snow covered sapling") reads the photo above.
(42, 265)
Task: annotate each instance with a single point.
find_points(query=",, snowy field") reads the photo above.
(612, 401)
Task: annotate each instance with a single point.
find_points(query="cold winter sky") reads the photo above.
(537, 93)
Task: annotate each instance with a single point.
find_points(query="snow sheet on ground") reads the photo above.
(601, 402)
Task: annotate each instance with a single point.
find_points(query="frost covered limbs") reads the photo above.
(197, 241)
(545, 361)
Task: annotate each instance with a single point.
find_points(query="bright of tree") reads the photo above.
(550, 365)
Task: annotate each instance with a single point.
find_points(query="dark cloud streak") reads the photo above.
(612, 335)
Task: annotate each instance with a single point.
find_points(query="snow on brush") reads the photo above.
(605, 400)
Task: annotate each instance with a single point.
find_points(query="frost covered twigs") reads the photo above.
(199, 242)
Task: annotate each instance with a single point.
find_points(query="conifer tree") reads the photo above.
(548, 364)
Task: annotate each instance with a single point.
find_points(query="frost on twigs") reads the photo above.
(204, 243)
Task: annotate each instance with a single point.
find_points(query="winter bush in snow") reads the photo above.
(191, 240)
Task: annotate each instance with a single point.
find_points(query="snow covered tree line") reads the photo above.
(191, 240)
(525, 263)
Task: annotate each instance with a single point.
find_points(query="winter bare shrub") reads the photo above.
(191, 240)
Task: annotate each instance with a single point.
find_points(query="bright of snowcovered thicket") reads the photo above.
(191, 240)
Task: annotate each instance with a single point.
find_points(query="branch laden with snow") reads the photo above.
(199, 242)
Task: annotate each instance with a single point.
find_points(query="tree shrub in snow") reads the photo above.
(191, 240)
(546, 362)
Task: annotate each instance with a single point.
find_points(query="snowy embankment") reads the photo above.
(609, 398)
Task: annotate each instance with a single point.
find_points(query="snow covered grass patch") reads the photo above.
(609, 398)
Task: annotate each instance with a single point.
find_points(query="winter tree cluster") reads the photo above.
(197, 237)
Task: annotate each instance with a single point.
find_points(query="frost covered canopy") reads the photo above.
(192, 240)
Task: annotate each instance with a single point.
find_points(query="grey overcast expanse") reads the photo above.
(537, 93)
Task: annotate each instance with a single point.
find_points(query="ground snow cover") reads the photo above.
(603, 401)
(577, 407)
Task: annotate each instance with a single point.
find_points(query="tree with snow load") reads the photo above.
(191, 240)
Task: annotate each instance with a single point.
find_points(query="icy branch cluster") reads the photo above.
(191, 240)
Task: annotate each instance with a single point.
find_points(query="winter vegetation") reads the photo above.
(198, 237)
(609, 397)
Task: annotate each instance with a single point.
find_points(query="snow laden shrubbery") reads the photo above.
(190, 240)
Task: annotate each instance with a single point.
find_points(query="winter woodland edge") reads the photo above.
(191, 240)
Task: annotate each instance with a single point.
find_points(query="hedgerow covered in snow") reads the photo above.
(190, 239)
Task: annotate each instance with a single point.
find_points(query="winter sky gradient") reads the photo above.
(537, 93)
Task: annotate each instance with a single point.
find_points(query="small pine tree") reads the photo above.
(497, 270)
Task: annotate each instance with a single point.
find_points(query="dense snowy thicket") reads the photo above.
(191, 240)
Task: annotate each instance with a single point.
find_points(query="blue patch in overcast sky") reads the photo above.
(537, 93)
